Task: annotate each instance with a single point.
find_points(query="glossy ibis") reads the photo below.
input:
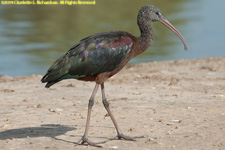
(100, 56)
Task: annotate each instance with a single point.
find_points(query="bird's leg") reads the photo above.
(84, 138)
(119, 133)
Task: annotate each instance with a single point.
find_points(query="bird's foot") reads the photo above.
(84, 140)
(125, 137)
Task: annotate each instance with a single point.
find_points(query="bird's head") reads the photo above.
(150, 13)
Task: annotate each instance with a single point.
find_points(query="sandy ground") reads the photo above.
(176, 105)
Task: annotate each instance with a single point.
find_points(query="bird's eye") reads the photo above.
(158, 14)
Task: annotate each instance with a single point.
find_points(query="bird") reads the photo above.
(100, 56)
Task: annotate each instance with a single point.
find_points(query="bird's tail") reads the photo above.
(49, 83)
(56, 72)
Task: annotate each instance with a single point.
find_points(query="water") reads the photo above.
(32, 37)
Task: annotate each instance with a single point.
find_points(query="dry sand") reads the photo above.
(175, 104)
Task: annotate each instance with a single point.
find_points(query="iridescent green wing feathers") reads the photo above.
(96, 54)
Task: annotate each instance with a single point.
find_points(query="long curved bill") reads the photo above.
(171, 27)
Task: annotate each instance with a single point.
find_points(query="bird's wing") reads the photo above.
(93, 55)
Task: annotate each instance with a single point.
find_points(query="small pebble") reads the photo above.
(114, 147)
(169, 124)
(51, 110)
(37, 106)
(136, 93)
(176, 121)
(5, 127)
(131, 129)
(59, 109)
(25, 100)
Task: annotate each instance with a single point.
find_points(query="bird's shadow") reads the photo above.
(45, 130)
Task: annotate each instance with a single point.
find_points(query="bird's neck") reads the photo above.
(145, 40)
